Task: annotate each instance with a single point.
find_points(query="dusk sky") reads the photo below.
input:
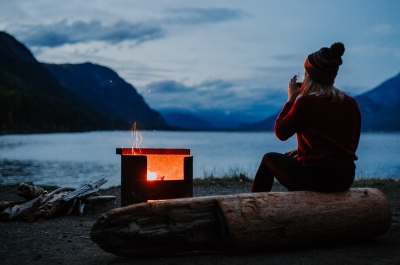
(232, 56)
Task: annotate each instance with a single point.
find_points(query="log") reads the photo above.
(100, 199)
(295, 218)
(7, 204)
(28, 208)
(85, 190)
(46, 205)
(242, 222)
(16, 211)
(49, 207)
(29, 191)
(61, 201)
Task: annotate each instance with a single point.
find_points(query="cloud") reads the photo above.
(168, 86)
(273, 70)
(203, 15)
(385, 29)
(216, 84)
(371, 50)
(60, 33)
(220, 95)
(175, 95)
(286, 57)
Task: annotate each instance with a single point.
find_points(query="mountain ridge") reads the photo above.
(102, 89)
(32, 100)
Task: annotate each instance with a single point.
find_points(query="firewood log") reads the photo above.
(64, 201)
(85, 190)
(28, 207)
(6, 204)
(29, 191)
(16, 211)
(242, 222)
(99, 199)
(47, 205)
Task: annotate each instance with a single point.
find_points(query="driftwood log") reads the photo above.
(8, 204)
(242, 222)
(45, 205)
(29, 191)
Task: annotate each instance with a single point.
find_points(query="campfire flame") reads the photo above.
(136, 145)
(138, 138)
(160, 166)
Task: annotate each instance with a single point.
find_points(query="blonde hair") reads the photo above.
(312, 87)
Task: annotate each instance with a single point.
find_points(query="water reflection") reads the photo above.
(73, 159)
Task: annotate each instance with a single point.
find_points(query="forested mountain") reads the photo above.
(103, 90)
(263, 125)
(380, 107)
(33, 100)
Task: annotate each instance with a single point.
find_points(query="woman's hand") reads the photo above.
(292, 153)
(293, 89)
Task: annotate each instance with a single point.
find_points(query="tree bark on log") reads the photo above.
(242, 222)
(304, 217)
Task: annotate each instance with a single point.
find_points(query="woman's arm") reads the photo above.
(291, 117)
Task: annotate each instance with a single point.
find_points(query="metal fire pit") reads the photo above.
(173, 167)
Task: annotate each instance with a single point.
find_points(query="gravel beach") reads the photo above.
(66, 240)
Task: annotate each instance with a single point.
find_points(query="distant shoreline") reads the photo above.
(173, 130)
(224, 181)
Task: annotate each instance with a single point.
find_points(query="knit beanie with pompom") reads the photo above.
(323, 65)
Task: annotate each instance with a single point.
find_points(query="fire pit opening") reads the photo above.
(149, 174)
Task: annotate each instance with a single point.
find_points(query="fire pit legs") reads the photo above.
(133, 168)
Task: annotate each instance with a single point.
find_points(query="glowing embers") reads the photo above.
(165, 167)
(162, 164)
(154, 174)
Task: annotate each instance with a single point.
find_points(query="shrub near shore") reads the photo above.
(241, 178)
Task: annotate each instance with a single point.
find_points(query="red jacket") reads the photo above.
(327, 133)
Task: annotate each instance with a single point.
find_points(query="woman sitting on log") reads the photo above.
(327, 123)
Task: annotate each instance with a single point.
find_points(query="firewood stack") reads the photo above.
(39, 204)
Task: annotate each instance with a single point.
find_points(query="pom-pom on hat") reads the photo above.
(323, 65)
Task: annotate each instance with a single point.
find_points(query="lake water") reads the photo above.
(72, 159)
